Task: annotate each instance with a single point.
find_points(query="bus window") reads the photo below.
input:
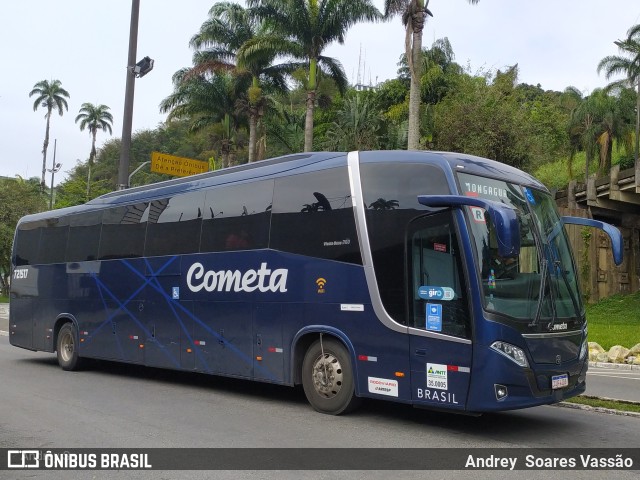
(313, 215)
(53, 241)
(237, 217)
(84, 236)
(435, 267)
(123, 232)
(391, 197)
(174, 225)
(26, 244)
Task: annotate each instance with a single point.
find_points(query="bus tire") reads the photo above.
(329, 385)
(67, 348)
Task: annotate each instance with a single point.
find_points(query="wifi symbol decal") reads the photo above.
(321, 282)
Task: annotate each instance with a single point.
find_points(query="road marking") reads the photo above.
(4, 334)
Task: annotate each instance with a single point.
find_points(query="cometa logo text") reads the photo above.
(263, 279)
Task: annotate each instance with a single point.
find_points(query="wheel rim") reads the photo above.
(327, 375)
(66, 346)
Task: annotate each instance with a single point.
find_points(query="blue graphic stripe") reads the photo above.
(248, 360)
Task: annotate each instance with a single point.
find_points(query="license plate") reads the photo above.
(559, 381)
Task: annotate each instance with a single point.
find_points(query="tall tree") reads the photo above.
(414, 14)
(49, 95)
(228, 27)
(205, 100)
(627, 64)
(18, 197)
(302, 30)
(94, 118)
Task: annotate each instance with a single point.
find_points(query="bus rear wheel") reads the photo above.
(327, 378)
(67, 348)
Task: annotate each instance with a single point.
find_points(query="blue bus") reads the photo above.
(435, 279)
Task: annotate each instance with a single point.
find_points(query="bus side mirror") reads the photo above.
(614, 234)
(502, 216)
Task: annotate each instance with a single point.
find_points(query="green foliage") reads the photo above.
(485, 119)
(173, 138)
(614, 321)
(17, 198)
(357, 126)
(551, 134)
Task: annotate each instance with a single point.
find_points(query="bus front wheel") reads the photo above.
(67, 348)
(327, 378)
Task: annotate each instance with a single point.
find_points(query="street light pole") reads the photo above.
(123, 170)
(55, 167)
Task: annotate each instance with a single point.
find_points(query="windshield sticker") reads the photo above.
(529, 196)
(437, 376)
(440, 247)
(485, 190)
(492, 279)
(436, 293)
(477, 214)
(434, 317)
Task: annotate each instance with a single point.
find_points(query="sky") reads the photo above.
(556, 43)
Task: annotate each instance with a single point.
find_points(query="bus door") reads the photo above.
(440, 326)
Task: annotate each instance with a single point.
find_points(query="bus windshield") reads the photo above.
(538, 288)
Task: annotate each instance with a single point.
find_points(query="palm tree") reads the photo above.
(357, 126)
(414, 14)
(571, 100)
(629, 65)
(94, 118)
(205, 100)
(228, 27)
(50, 95)
(302, 29)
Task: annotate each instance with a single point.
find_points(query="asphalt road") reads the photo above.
(112, 405)
(616, 383)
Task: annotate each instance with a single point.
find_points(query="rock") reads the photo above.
(596, 347)
(602, 357)
(617, 354)
(635, 350)
(593, 355)
(636, 361)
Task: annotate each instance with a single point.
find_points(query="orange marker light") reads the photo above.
(141, 345)
(259, 359)
(399, 374)
(188, 350)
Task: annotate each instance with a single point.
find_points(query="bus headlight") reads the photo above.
(584, 349)
(513, 353)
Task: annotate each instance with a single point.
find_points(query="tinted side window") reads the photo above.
(53, 241)
(313, 215)
(237, 217)
(84, 236)
(26, 244)
(390, 195)
(123, 231)
(174, 225)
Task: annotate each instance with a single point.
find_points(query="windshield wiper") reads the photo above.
(543, 284)
(558, 265)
